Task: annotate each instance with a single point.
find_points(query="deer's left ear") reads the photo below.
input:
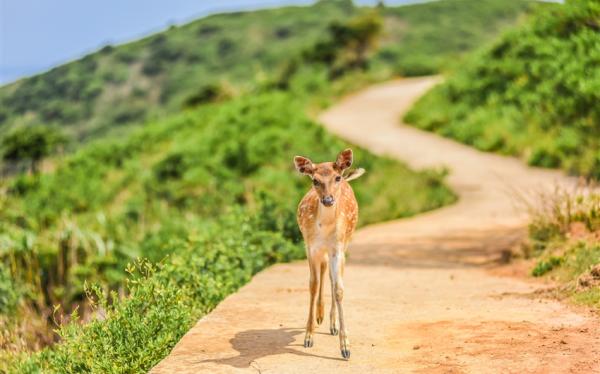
(344, 160)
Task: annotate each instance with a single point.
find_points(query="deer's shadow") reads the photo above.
(254, 344)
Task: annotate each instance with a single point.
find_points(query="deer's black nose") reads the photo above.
(328, 200)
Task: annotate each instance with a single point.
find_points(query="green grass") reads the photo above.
(534, 93)
(590, 297)
(107, 91)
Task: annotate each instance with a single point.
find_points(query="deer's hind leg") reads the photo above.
(337, 260)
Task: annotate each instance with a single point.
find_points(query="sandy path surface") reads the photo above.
(420, 296)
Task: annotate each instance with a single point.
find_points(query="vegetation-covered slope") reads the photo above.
(535, 93)
(226, 53)
(178, 192)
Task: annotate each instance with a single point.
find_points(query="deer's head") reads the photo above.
(327, 177)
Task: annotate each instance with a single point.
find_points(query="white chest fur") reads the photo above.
(325, 229)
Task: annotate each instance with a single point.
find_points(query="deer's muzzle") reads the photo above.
(328, 200)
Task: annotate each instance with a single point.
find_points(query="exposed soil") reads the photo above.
(424, 294)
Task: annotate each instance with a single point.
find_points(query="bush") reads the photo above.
(165, 299)
(530, 94)
(206, 94)
(544, 266)
(31, 144)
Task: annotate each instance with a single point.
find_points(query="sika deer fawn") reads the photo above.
(327, 217)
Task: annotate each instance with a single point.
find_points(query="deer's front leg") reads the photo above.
(313, 288)
(320, 301)
(333, 323)
(336, 268)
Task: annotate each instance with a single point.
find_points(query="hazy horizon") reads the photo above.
(36, 35)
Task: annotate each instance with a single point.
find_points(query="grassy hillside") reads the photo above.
(207, 197)
(230, 53)
(533, 93)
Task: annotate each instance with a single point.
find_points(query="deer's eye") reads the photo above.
(315, 182)
(338, 178)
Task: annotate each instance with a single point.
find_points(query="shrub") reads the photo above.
(31, 144)
(544, 266)
(531, 94)
(206, 94)
(165, 299)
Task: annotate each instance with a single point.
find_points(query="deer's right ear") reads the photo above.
(304, 165)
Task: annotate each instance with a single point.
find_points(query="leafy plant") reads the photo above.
(544, 266)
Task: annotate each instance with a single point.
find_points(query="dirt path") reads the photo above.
(420, 296)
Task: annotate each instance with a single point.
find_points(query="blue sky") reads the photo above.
(38, 34)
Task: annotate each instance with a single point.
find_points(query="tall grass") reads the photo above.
(564, 236)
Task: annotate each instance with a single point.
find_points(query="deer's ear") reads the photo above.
(304, 165)
(344, 160)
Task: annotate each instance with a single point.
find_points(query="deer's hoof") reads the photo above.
(333, 330)
(319, 320)
(308, 342)
(346, 353)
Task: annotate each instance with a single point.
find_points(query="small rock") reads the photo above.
(415, 347)
(563, 342)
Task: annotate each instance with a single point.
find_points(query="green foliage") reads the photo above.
(431, 38)
(534, 93)
(209, 93)
(8, 292)
(544, 266)
(165, 299)
(347, 44)
(158, 194)
(102, 91)
(30, 144)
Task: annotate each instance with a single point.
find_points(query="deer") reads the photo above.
(327, 217)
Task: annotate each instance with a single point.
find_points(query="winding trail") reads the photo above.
(422, 294)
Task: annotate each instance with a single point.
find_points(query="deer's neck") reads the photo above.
(326, 216)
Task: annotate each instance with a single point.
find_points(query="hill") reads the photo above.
(534, 93)
(205, 198)
(225, 54)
